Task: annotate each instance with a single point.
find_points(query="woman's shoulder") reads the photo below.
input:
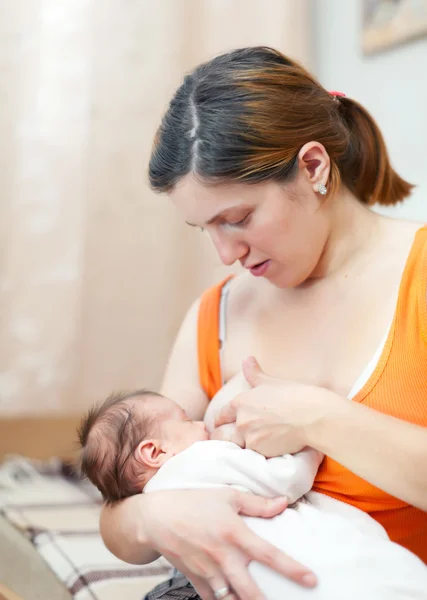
(402, 248)
(397, 238)
(246, 295)
(403, 232)
(242, 291)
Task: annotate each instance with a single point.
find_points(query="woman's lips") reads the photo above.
(260, 269)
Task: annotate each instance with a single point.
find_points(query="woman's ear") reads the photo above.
(314, 161)
(150, 453)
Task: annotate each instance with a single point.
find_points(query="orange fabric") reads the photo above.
(398, 387)
(208, 342)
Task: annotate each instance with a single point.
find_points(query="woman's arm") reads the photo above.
(389, 453)
(122, 530)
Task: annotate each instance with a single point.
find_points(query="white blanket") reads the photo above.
(350, 553)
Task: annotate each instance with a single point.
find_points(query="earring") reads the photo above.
(322, 189)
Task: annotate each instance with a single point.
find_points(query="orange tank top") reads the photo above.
(398, 387)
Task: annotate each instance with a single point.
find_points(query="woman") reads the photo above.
(280, 174)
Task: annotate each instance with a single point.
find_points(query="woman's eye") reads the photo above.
(241, 222)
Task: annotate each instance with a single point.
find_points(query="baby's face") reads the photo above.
(176, 428)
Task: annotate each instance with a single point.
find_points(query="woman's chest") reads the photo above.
(325, 338)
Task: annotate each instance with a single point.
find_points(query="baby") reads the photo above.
(144, 442)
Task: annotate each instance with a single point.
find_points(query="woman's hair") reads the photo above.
(245, 115)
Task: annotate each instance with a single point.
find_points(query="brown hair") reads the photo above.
(108, 436)
(244, 116)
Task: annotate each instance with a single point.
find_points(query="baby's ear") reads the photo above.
(150, 453)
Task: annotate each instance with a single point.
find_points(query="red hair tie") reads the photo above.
(337, 94)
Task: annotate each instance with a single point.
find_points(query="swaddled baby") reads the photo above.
(144, 442)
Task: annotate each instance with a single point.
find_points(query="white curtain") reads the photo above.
(97, 271)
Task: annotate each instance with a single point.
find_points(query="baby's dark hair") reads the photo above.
(108, 436)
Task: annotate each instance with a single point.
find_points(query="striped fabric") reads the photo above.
(176, 588)
(60, 514)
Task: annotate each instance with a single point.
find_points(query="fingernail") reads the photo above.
(309, 580)
(250, 360)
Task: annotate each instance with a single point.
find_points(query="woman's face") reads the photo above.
(277, 231)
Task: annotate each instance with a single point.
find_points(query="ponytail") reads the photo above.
(365, 167)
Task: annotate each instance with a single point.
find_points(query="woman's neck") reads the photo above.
(354, 229)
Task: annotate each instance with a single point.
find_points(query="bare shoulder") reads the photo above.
(391, 256)
(402, 238)
(392, 251)
(247, 294)
(401, 233)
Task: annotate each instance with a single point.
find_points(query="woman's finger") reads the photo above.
(228, 433)
(258, 549)
(203, 589)
(251, 505)
(227, 414)
(206, 588)
(218, 583)
(200, 584)
(236, 571)
(253, 373)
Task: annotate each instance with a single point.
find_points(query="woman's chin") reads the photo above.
(285, 280)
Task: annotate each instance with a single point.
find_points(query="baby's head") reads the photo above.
(127, 439)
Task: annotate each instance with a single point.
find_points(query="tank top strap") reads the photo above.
(210, 331)
(412, 292)
(420, 280)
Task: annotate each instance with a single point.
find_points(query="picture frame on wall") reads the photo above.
(388, 23)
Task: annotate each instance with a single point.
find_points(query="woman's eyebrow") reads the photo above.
(216, 217)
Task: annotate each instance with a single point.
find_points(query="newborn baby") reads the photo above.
(144, 442)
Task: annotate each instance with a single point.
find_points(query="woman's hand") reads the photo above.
(228, 433)
(275, 416)
(200, 533)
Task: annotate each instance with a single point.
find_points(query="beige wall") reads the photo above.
(388, 84)
(96, 271)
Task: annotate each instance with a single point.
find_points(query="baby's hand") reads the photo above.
(227, 433)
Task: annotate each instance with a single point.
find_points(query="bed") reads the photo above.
(50, 547)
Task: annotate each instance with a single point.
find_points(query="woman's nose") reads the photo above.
(229, 250)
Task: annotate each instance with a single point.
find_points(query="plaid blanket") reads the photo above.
(59, 514)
